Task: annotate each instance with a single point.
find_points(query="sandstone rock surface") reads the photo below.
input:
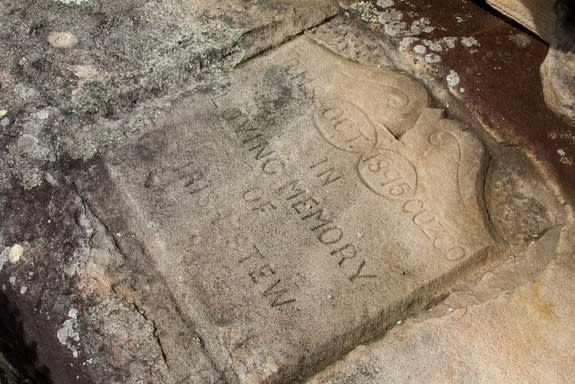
(299, 212)
(200, 192)
(512, 339)
(558, 77)
(85, 66)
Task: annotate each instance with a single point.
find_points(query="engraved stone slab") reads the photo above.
(497, 341)
(302, 211)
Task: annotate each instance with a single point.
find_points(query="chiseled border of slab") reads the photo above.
(524, 336)
(418, 298)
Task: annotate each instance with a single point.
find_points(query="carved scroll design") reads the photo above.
(385, 170)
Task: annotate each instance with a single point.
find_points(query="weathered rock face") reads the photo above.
(439, 350)
(557, 74)
(476, 55)
(298, 213)
(553, 22)
(256, 225)
(73, 71)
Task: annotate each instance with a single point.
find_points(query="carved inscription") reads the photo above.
(385, 171)
(327, 175)
(320, 222)
(388, 174)
(385, 165)
(252, 138)
(297, 199)
(264, 275)
(345, 126)
(434, 229)
(257, 196)
(309, 186)
(367, 127)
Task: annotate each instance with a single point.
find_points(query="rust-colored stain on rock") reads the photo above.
(493, 67)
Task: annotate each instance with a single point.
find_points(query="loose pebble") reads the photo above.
(62, 39)
(43, 114)
(15, 253)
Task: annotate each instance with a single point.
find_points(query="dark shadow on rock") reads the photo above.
(558, 69)
(18, 358)
(564, 36)
(540, 32)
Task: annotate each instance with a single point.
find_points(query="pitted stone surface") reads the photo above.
(524, 336)
(299, 213)
(273, 219)
(91, 68)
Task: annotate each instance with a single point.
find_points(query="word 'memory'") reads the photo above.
(321, 223)
(302, 203)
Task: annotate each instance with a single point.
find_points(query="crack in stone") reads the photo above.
(155, 333)
(255, 34)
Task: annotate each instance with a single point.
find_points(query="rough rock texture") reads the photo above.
(512, 339)
(71, 71)
(558, 69)
(476, 55)
(278, 175)
(172, 216)
(78, 77)
(558, 76)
